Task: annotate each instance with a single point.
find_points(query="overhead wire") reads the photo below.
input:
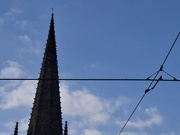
(96, 79)
(109, 79)
(150, 87)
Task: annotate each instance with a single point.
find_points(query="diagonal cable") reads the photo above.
(171, 49)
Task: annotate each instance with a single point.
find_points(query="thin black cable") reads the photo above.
(171, 49)
(152, 75)
(132, 114)
(151, 88)
(92, 79)
(170, 75)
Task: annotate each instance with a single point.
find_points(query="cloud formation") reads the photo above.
(92, 65)
(13, 70)
(93, 107)
(154, 118)
(22, 126)
(15, 93)
(25, 38)
(12, 11)
(20, 96)
(21, 23)
(1, 21)
(91, 132)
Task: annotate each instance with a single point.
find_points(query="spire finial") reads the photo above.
(52, 10)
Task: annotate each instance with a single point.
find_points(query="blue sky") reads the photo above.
(95, 39)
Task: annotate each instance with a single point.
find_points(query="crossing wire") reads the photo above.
(150, 87)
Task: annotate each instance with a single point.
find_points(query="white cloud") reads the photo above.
(171, 133)
(87, 110)
(16, 10)
(92, 65)
(154, 119)
(20, 96)
(22, 126)
(15, 93)
(134, 133)
(21, 24)
(76, 101)
(4, 133)
(25, 38)
(145, 133)
(10, 15)
(13, 70)
(113, 104)
(32, 47)
(9, 125)
(13, 11)
(1, 21)
(91, 132)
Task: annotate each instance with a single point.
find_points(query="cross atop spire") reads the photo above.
(46, 116)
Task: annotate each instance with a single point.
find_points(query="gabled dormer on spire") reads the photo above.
(46, 116)
(16, 129)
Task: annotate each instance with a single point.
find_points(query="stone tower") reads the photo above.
(46, 116)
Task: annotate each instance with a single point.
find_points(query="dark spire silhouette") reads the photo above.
(66, 128)
(16, 129)
(46, 113)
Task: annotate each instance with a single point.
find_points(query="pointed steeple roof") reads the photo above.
(46, 116)
(16, 129)
(66, 128)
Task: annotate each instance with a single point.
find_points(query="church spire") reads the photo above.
(46, 116)
(16, 129)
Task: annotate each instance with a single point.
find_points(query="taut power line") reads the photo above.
(96, 79)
